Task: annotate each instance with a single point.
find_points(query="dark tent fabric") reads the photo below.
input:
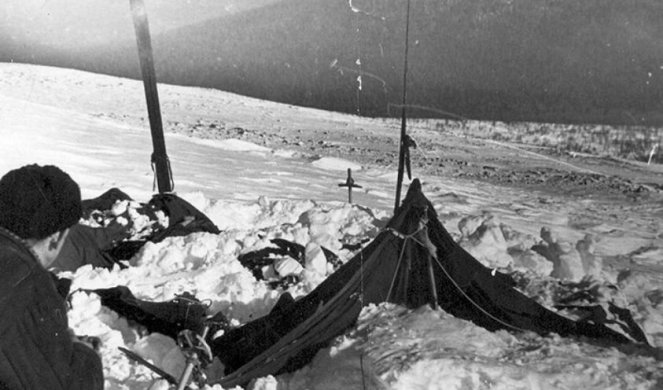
(104, 201)
(257, 259)
(183, 219)
(168, 318)
(107, 245)
(413, 262)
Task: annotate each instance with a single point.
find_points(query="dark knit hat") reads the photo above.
(36, 201)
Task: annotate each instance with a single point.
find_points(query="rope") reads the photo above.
(402, 254)
(190, 301)
(417, 148)
(473, 302)
(363, 375)
(453, 282)
(393, 280)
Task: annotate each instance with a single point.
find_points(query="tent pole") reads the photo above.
(160, 162)
(403, 140)
(433, 286)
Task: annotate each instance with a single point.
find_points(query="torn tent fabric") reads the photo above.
(103, 202)
(168, 318)
(413, 262)
(105, 246)
(183, 219)
(257, 261)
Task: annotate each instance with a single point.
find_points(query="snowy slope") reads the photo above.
(253, 194)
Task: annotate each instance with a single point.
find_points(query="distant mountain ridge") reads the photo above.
(598, 61)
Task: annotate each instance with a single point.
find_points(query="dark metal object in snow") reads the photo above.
(198, 355)
(350, 183)
(160, 162)
(141, 360)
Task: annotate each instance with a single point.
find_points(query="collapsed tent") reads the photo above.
(413, 262)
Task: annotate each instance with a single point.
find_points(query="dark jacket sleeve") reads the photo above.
(87, 372)
(36, 348)
(86, 245)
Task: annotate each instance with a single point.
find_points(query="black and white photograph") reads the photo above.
(331, 194)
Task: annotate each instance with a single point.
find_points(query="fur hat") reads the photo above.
(37, 201)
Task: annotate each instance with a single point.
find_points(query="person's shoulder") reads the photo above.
(16, 261)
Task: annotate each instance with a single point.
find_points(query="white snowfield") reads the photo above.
(255, 194)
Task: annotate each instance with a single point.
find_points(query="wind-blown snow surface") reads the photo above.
(254, 194)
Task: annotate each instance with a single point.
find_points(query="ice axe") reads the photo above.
(198, 354)
(350, 183)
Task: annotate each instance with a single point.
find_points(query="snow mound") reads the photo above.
(335, 164)
(231, 144)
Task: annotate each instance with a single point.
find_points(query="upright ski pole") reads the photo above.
(403, 144)
(160, 162)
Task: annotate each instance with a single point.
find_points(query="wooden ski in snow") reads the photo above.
(160, 162)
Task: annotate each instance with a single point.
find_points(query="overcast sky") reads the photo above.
(66, 23)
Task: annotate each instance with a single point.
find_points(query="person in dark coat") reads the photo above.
(38, 205)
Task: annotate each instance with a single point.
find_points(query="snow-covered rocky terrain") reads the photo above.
(261, 170)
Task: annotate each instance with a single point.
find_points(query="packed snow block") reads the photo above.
(287, 267)
(592, 264)
(315, 259)
(412, 262)
(163, 352)
(567, 262)
(483, 239)
(281, 259)
(531, 261)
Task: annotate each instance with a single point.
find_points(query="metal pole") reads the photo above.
(433, 285)
(191, 362)
(160, 161)
(402, 144)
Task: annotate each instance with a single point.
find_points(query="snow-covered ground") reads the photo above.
(254, 193)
